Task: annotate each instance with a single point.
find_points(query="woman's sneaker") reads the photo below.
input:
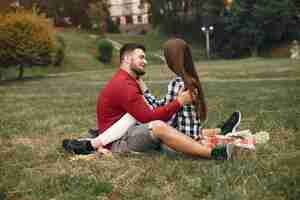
(232, 123)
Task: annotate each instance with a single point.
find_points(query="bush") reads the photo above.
(59, 54)
(105, 50)
(26, 39)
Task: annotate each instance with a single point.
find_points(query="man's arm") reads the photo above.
(134, 103)
(172, 93)
(115, 132)
(151, 99)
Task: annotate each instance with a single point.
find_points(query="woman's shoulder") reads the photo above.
(175, 85)
(176, 81)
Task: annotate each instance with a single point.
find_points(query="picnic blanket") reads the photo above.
(244, 139)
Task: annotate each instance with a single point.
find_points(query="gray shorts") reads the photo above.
(138, 138)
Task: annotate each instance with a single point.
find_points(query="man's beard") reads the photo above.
(138, 72)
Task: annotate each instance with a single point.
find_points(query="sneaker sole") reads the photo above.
(229, 151)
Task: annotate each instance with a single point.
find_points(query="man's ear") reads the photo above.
(127, 58)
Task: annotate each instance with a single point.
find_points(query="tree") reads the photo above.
(252, 25)
(174, 16)
(186, 17)
(76, 11)
(98, 14)
(211, 11)
(297, 6)
(26, 40)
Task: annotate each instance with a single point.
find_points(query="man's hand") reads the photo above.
(185, 97)
(103, 151)
(142, 85)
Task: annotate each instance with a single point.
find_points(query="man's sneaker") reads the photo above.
(78, 146)
(94, 132)
(223, 152)
(232, 123)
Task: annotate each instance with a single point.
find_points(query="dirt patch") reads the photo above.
(31, 142)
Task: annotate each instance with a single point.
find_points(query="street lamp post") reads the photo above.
(207, 30)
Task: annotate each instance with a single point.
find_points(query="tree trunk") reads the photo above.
(0, 75)
(21, 72)
(254, 51)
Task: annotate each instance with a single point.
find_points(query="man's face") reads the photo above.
(138, 62)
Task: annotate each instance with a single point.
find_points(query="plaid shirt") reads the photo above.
(185, 120)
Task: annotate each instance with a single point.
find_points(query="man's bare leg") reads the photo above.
(178, 141)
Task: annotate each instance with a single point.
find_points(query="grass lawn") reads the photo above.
(154, 42)
(80, 56)
(37, 113)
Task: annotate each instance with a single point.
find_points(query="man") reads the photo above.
(123, 95)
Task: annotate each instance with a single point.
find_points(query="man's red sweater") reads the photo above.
(122, 95)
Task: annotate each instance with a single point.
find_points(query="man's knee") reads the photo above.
(158, 127)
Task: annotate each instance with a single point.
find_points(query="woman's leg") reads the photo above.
(178, 141)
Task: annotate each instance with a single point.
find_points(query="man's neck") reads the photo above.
(129, 71)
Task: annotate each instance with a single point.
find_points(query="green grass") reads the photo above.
(249, 69)
(36, 114)
(80, 56)
(154, 41)
(81, 53)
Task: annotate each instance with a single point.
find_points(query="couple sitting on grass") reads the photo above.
(130, 119)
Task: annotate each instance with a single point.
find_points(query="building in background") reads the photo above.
(130, 15)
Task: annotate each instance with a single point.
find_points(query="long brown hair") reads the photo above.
(179, 59)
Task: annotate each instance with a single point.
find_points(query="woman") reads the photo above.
(190, 118)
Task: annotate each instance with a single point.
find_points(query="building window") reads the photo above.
(118, 20)
(128, 19)
(140, 19)
(149, 19)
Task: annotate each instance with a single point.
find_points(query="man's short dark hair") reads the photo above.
(130, 47)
